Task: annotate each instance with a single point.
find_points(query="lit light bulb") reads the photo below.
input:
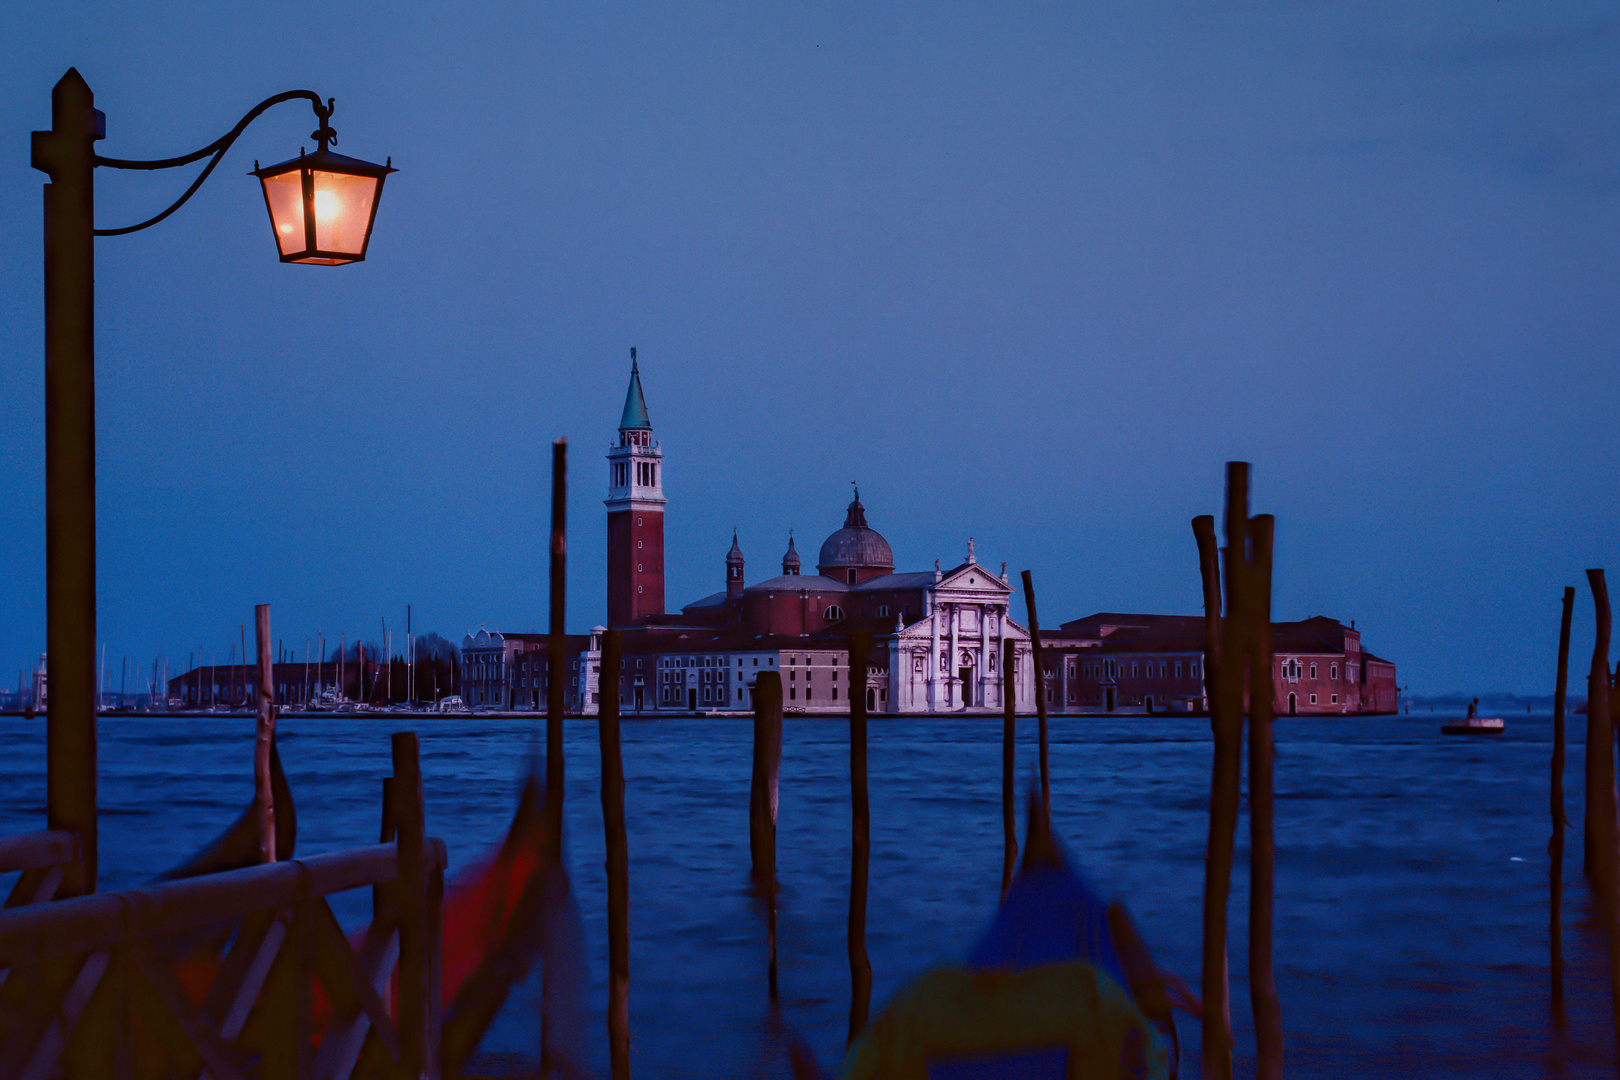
(326, 206)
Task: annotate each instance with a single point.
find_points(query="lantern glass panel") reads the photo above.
(285, 194)
(343, 205)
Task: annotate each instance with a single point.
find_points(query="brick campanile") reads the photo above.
(635, 515)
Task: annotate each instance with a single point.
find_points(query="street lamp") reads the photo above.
(322, 205)
(67, 154)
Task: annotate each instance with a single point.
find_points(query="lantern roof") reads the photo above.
(326, 161)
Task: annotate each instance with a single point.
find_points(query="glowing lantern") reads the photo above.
(322, 205)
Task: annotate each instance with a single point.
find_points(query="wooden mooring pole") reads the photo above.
(415, 968)
(1039, 682)
(1268, 1033)
(1555, 871)
(1224, 650)
(1009, 828)
(550, 983)
(1605, 865)
(618, 870)
(557, 642)
(762, 803)
(264, 802)
(860, 965)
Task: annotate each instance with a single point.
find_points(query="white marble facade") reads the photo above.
(950, 660)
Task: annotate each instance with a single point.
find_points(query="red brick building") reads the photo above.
(1111, 662)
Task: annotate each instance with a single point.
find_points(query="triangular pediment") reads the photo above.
(973, 577)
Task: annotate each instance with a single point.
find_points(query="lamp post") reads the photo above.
(334, 190)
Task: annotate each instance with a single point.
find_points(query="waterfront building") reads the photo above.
(505, 670)
(938, 636)
(1110, 662)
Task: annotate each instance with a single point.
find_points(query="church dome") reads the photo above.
(855, 547)
(791, 560)
(734, 557)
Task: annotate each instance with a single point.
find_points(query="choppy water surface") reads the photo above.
(1411, 878)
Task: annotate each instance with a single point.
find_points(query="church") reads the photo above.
(939, 636)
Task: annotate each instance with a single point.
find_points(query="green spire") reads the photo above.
(635, 406)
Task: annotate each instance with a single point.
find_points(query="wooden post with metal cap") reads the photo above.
(67, 154)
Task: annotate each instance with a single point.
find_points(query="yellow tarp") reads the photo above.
(951, 1012)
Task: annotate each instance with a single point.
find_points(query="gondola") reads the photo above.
(1059, 985)
(238, 845)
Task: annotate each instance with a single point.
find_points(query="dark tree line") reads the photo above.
(438, 670)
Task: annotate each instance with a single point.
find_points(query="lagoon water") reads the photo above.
(1411, 894)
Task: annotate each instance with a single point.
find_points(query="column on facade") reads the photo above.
(984, 655)
(1001, 653)
(934, 615)
(951, 677)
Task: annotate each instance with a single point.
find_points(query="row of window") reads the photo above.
(1114, 669)
(1291, 670)
(716, 695)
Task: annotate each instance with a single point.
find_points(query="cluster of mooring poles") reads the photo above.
(613, 823)
(1238, 656)
(1237, 674)
(1601, 833)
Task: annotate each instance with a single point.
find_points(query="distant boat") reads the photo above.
(1475, 725)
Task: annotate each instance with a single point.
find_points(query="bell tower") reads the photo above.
(635, 515)
(734, 568)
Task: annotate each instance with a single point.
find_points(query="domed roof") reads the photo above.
(855, 545)
(790, 559)
(734, 557)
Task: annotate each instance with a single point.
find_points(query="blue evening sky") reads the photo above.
(1029, 273)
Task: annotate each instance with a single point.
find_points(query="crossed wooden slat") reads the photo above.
(83, 974)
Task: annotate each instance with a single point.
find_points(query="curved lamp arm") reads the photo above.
(324, 134)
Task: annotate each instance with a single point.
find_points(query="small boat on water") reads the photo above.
(1475, 725)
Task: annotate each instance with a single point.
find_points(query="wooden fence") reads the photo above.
(244, 973)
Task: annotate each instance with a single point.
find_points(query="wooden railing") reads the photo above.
(83, 975)
(232, 975)
(43, 857)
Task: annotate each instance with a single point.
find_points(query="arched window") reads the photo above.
(883, 611)
(833, 613)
